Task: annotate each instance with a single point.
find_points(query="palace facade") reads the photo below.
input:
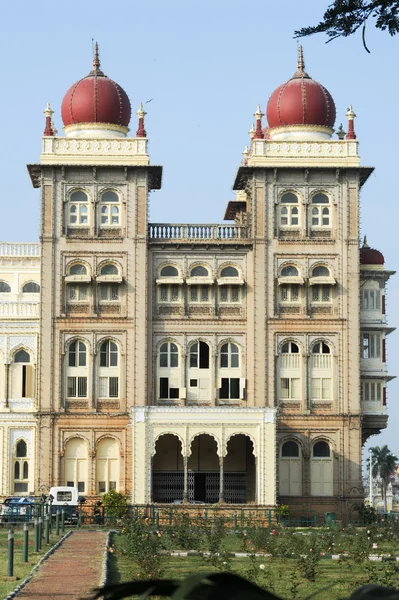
(242, 362)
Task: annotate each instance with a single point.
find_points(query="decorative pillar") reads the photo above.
(221, 482)
(351, 135)
(185, 480)
(141, 132)
(48, 112)
(258, 135)
(7, 373)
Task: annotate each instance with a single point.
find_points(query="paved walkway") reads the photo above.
(72, 571)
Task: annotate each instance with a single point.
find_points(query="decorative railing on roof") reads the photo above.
(19, 309)
(19, 249)
(197, 232)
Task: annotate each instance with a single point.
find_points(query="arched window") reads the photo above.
(77, 370)
(109, 210)
(231, 385)
(199, 290)
(78, 269)
(109, 370)
(229, 356)
(78, 210)
(169, 377)
(169, 291)
(4, 288)
(199, 271)
(289, 282)
(229, 290)
(20, 467)
(76, 464)
(290, 469)
(321, 282)
(321, 470)
(169, 271)
(109, 290)
(168, 355)
(320, 211)
(22, 376)
(31, 288)
(198, 376)
(289, 372)
(289, 210)
(321, 372)
(77, 289)
(107, 465)
(289, 271)
(229, 272)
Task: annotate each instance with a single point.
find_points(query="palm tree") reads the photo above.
(383, 463)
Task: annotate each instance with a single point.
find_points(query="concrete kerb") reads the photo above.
(106, 556)
(16, 591)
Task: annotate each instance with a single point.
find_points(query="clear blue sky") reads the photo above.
(206, 64)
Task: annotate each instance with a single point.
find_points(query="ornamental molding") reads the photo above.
(335, 153)
(82, 151)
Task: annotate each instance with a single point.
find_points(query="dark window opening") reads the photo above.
(23, 381)
(164, 387)
(204, 356)
(173, 392)
(290, 449)
(193, 382)
(230, 388)
(81, 486)
(321, 450)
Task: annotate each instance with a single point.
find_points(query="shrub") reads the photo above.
(115, 504)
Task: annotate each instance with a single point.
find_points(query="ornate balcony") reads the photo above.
(168, 232)
(19, 249)
(19, 310)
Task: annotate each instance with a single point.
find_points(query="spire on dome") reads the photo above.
(141, 132)
(351, 135)
(96, 62)
(365, 244)
(48, 112)
(300, 72)
(258, 135)
(252, 132)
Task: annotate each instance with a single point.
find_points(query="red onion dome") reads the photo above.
(96, 99)
(301, 101)
(370, 256)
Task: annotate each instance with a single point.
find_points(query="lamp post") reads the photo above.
(371, 503)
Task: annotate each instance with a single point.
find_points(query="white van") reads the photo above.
(67, 498)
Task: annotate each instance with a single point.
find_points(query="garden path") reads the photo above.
(72, 571)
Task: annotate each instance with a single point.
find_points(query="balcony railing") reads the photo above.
(321, 361)
(19, 249)
(168, 231)
(19, 309)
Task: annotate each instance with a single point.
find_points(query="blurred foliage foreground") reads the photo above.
(217, 586)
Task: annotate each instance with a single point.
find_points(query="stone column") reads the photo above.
(7, 376)
(185, 480)
(221, 482)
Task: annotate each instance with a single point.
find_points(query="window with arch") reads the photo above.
(109, 290)
(76, 459)
(229, 291)
(109, 210)
(370, 299)
(78, 209)
(290, 469)
(31, 288)
(169, 376)
(321, 372)
(289, 371)
(321, 283)
(232, 386)
(77, 370)
(289, 291)
(109, 370)
(289, 210)
(320, 207)
(169, 292)
(22, 375)
(20, 467)
(199, 381)
(4, 287)
(78, 290)
(321, 470)
(199, 291)
(107, 465)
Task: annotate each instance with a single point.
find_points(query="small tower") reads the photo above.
(258, 135)
(351, 135)
(48, 112)
(141, 132)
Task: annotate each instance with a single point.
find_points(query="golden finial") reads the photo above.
(96, 58)
(301, 61)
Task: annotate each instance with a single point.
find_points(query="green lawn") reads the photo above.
(281, 575)
(21, 569)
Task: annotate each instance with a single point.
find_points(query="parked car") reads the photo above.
(16, 509)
